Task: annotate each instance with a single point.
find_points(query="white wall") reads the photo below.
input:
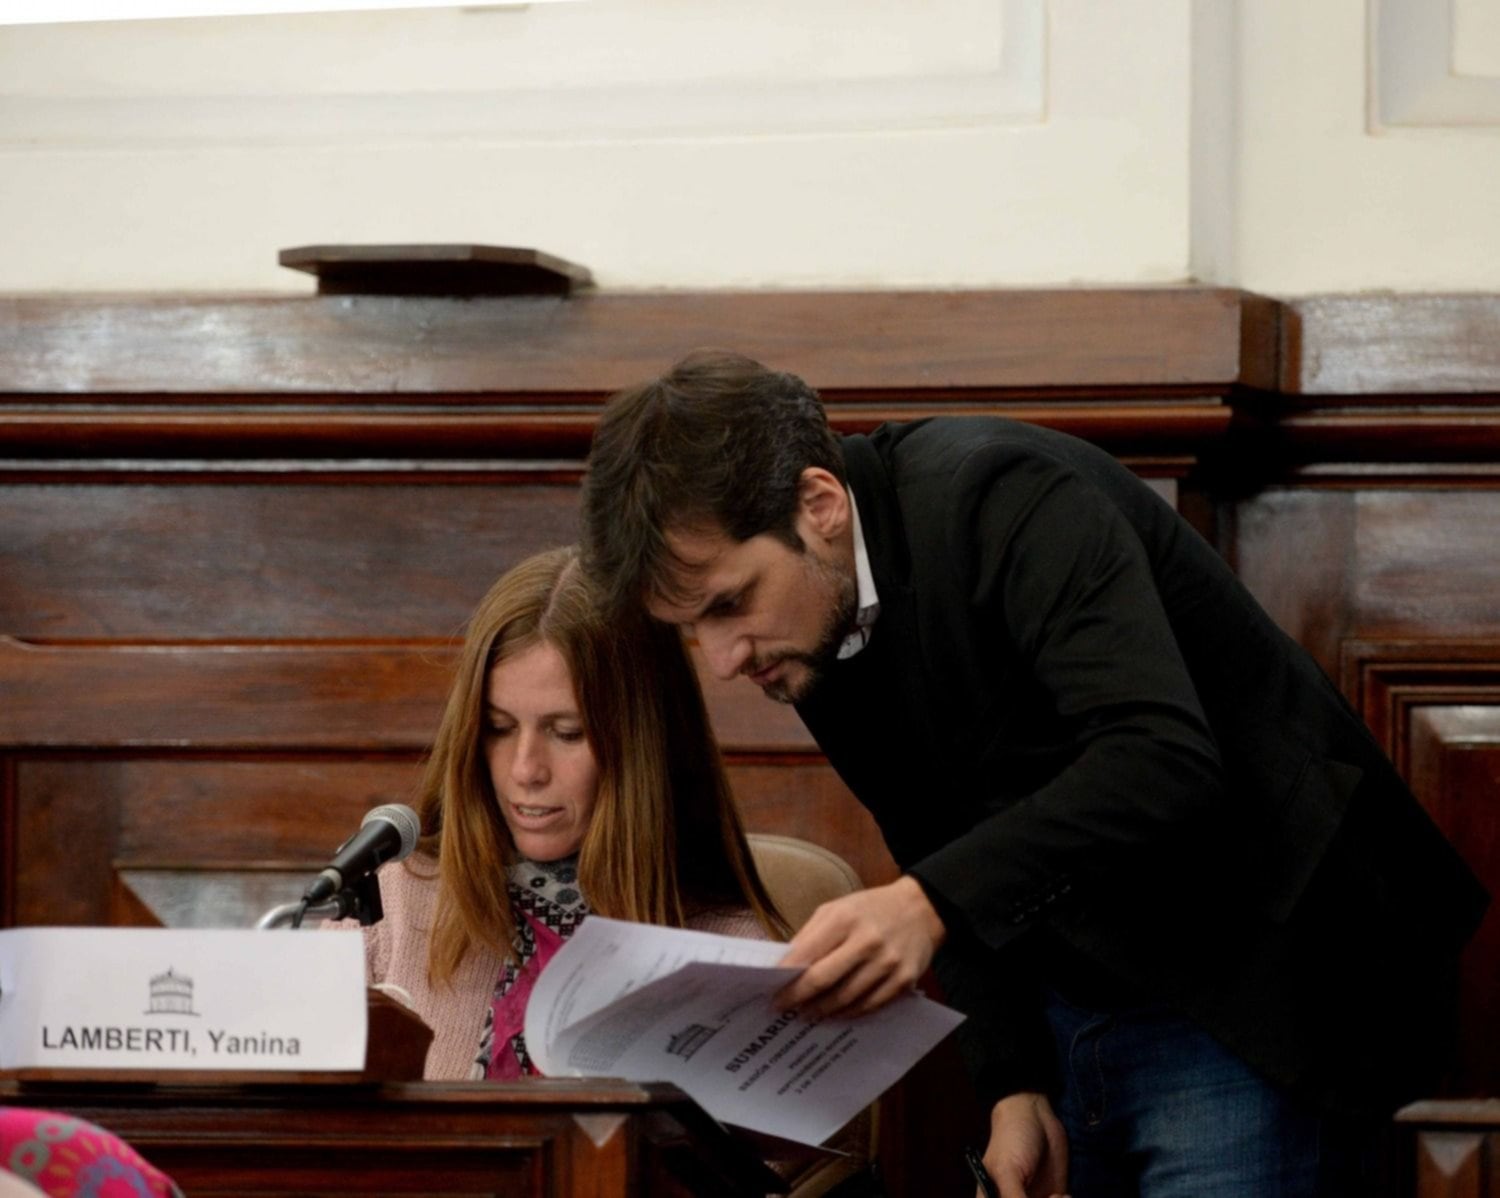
(773, 143)
(1368, 139)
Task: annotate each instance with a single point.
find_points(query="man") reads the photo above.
(1204, 935)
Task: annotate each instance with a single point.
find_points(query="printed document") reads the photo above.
(694, 1008)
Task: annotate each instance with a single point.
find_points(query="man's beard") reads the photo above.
(840, 622)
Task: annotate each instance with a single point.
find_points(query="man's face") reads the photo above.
(760, 608)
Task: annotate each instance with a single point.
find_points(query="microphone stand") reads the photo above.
(360, 899)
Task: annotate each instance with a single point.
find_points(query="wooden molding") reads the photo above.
(430, 438)
(1325, 390)
(438, 1138)
(1391, 344)
(1473, 1112)
(1377, 434)
(1434, 705)
(1386, 679)
(1065, 340)
(420, 387)
(1061, 340)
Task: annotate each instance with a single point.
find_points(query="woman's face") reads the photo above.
(540, 763)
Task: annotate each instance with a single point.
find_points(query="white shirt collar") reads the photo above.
(867, 599)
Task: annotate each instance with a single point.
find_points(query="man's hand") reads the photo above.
(1028, 1150)
(862, 950)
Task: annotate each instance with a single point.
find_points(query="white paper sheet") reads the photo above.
(694, 1009)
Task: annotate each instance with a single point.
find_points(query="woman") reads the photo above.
(574, 772)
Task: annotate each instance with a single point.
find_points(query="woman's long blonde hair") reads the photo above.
(664, 841)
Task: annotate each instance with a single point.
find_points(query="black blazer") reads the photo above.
(1085, 738)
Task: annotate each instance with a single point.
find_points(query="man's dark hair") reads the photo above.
(718, 443)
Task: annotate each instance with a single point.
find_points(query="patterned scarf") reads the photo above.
(547, 907)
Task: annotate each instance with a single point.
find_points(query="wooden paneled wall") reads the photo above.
(1372, 534)
(239, 539)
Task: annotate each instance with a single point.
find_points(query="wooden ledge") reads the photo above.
(1124, 340)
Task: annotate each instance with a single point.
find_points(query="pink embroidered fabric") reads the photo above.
(64, 1157)
(548, 907)
(508, 1056)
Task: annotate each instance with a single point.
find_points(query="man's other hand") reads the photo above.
(862, 950)
(1028, 1149)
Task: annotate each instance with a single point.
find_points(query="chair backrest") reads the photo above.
(800, 875)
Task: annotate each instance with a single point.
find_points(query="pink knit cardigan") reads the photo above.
(396, 954)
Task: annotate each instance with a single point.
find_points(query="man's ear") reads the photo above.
(823, 503)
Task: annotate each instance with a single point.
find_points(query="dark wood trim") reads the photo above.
(528, 1137)
(593, 344)
(1319, 390)
(1261, 334)
(1069, 339)
(1407, 475)
(1471, 1112)
(1386, 434)
(77, 471)
(1385, 679)
(1390, 344)
(506, 434)
(428, 269)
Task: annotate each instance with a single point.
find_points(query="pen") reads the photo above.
(976, 1167)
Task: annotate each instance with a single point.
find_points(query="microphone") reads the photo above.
(387, 833)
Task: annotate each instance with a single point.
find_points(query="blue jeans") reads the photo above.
(1156, 1108)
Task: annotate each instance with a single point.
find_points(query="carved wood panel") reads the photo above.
(547, 1138)
(1434, 705)
(282, 560)
(136, 776)
(1331, 564)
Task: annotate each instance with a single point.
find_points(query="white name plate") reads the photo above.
(166, 998)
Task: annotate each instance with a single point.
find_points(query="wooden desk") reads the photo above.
(1452, 1147)
(552, 1138)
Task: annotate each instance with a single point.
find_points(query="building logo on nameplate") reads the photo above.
(688, 1041)
(167, 998)
(171, 994)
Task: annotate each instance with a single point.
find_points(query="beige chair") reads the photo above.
(800, 876)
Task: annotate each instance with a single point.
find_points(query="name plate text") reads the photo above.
(167, 998)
